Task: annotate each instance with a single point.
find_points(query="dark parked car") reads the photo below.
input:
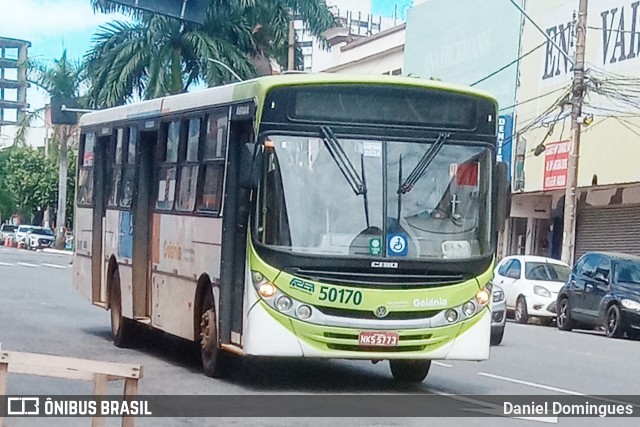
(603, 290)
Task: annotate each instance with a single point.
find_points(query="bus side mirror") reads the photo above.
(503, 204)
(251, 164)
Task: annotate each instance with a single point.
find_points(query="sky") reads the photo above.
(55, 25)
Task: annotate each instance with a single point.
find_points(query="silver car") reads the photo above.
(498, 315)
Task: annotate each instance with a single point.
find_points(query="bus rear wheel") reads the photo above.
(210, 352)
(122, 329)
(409, 371)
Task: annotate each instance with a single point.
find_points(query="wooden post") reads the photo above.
(4, 369)
(130, 389)
(99, 390)
(98, 372)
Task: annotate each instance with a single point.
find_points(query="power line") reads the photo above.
(514, 61)
(534, 98)
(509, 64)
(627, 126)
(546, 36)
(611, 30)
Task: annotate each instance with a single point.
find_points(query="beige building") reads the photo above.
(382, 53)
(609, 159)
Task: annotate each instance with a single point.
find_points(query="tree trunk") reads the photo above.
(61, 218)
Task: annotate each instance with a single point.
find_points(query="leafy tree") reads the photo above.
(63, 79)
(7, 205)
(30, 180)
(156, 55)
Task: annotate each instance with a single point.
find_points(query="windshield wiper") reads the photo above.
(357, 184)
(343, 162)
(423, 164)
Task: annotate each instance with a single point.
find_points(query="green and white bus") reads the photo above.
(325, 216)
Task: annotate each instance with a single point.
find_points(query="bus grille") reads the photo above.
(392, 315)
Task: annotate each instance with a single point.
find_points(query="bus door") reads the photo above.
(235, 224)
(101, 194)
(142, 213)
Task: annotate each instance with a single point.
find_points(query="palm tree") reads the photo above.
(62, 79)
(156, 55)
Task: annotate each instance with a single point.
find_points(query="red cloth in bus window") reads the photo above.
(467, 174)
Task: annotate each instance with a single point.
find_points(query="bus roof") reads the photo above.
(255, 88)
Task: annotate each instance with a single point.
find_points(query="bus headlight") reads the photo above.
(303, 312)
(451, 315)
(266, 290)
(469, 308)
(257, 277)
(484, 295)
(284, 303)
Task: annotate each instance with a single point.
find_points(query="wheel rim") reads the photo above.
(115, 307)
(208, 333)
(612, 322)
(563, 313)
(519, 312)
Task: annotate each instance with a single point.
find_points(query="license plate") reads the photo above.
(378, 339)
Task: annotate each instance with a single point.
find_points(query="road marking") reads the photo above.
(492, 408)
(444, 365)
(556, 389)
(530, 384)
(6, 263)
(26, 264)
(54, 266)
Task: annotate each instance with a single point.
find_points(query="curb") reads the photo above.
(57, 251)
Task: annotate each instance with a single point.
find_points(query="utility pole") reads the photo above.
(570, 200)
(292, 43)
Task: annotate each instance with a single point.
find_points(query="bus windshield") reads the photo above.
(410, 199)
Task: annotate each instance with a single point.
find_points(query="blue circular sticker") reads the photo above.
(397, 245)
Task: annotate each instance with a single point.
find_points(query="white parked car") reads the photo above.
(39, 238)
(21, 233)
(531, 285)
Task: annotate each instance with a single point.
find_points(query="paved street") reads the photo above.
(40, 312)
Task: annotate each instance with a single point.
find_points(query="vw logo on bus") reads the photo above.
(381, 312)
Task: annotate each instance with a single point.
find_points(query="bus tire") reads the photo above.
(122, 329)
(409, 371)
(210, 352)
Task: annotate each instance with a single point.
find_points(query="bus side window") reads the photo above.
(189, 168)
(167, 170)
(115, 163)
(128, 168)
(85, 174)
(214, 152)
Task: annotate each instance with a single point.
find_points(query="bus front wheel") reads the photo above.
(122, 329)
(212, 355)
(409, 371)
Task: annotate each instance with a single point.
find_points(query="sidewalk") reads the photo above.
(57, 251)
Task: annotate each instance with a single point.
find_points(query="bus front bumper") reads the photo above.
(270, 333)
